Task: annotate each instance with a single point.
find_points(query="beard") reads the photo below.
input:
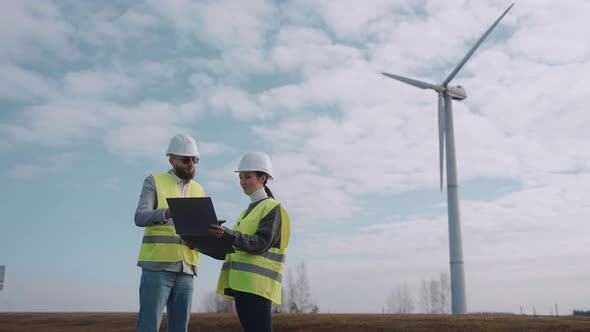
(184, 173)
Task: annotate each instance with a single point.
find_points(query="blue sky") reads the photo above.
(91, 93)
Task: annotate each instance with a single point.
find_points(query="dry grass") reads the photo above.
(94, 322)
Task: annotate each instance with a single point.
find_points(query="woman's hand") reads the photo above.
(216, 230)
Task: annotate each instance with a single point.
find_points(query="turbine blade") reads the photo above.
(470, 53)
(441, 136)
(410, 81)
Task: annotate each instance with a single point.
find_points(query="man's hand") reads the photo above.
(167, 214)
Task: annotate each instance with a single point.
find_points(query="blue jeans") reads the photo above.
(159, 289)
(254, 312)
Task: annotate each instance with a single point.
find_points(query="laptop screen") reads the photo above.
(192, 215)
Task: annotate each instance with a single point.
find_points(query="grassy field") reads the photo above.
(91, 322)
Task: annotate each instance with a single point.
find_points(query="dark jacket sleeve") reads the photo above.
(267, 236)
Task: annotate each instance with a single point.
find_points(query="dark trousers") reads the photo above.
(254, 312)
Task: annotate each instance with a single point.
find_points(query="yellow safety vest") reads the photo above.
(257, 274)
(160, 242)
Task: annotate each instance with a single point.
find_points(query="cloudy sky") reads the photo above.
(91, 92)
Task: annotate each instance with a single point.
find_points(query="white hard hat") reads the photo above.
(256, 161)
(182, 145)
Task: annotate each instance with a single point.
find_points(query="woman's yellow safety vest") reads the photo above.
(257, 274)
(160, 242)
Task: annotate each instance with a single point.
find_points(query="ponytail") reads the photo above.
(266, 189)
(268, 192)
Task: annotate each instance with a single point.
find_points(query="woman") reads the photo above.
(252, 274)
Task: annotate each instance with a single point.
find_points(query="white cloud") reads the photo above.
(539, 115)
(29, 29)
(103, 25)
(153, 112)
(201, 20)
(434, 37)
(140, 131)
(315, 198)
(539, 20)
(348, 20)
(239, 103)
(213, 149)
(15, 134)
(47, 167)
(141, 140)
(240, 39)
(99, 84)
(145, 130)
(220, 179)
(24, 85)
(309, 50)
(486, 143)
(248, 60)
(531, 236)
(344, 88)
(60, 122)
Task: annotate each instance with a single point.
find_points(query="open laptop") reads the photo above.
(192, 217)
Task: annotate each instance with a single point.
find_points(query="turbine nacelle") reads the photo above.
(456, 92)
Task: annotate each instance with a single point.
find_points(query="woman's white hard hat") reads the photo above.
(256, 161)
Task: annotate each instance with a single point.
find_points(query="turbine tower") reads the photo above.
(446, 135)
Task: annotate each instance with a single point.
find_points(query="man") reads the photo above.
(168, 264)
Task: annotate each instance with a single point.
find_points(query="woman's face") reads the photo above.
(250, 182)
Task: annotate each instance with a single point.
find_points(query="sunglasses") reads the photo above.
(187, 160)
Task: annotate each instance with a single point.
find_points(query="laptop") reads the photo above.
(192, 217)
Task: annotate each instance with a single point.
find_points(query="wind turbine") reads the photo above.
(446, 135)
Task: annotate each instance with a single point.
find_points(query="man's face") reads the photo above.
(184, 167)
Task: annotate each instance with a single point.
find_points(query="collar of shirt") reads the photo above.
(178, 180)
(258, 195)
(183, 186)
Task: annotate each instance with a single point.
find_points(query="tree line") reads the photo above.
(581, 313)
(434, 297)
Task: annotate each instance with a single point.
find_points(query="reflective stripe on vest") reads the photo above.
(162, 239)
(253, 269)
(160, 243)
(259, 274)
